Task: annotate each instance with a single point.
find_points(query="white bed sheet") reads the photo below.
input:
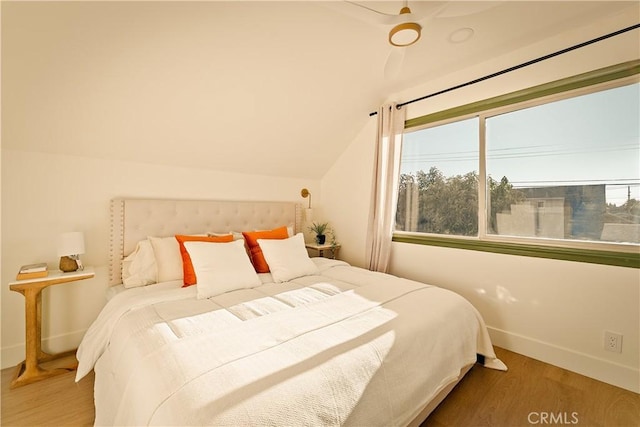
(346, 347)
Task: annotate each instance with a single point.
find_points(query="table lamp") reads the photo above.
(70, 247)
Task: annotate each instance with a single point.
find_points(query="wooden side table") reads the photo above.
(30, 371)
(320, 249)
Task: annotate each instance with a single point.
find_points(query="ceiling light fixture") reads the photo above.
(461, 35)
(406, 33)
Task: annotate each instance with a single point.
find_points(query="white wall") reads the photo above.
(346, 195)
(44, 195)
(556, 311)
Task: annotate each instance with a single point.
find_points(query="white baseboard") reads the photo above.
(12, 355)
(583, 364)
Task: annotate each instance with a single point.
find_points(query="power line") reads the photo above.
(617, 181)
(465, 155)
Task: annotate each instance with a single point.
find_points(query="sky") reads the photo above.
(591, 139)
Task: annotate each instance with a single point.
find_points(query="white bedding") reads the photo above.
(346, 347)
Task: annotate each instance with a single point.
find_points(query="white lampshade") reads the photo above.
(71, 243)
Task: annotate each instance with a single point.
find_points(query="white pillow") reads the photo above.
(139, 268)
(221, 267)
(168, 259)
(287, 258)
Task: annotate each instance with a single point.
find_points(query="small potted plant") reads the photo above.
(319, 228)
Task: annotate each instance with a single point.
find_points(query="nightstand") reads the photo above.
(320, 249)
(30, 371)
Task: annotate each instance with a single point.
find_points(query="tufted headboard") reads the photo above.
(133, 220)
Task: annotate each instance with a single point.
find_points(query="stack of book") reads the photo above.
(33, 271)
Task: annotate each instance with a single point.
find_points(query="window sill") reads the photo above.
(619, 259)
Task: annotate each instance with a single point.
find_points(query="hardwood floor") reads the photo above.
(530, 393)
(534, 393)
(57, 401)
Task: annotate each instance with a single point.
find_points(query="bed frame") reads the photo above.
(133, 220)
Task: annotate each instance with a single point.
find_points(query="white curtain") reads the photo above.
(385, 186)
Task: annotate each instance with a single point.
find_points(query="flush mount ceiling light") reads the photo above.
(461, 35)
(406, 33)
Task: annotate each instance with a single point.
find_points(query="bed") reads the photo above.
(323, 344)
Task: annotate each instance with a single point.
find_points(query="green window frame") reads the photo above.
(624, 73)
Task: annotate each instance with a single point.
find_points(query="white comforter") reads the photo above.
(347, 347)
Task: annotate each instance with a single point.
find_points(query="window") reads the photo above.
(439, 180)
(568, 169)
(550, 175)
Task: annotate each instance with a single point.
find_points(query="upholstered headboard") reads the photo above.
(133, 220)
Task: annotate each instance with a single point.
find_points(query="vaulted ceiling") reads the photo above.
(272, 88)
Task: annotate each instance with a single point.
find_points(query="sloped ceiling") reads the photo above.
(270, 88)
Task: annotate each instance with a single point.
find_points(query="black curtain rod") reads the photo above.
(517, 67)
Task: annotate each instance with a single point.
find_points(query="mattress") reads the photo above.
(344, 347)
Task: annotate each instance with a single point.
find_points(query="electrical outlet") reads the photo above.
(613, 342)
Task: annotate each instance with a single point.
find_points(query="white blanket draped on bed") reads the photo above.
(347, 347)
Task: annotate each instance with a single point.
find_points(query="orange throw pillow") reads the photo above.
(257, 258)
(187, 266)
